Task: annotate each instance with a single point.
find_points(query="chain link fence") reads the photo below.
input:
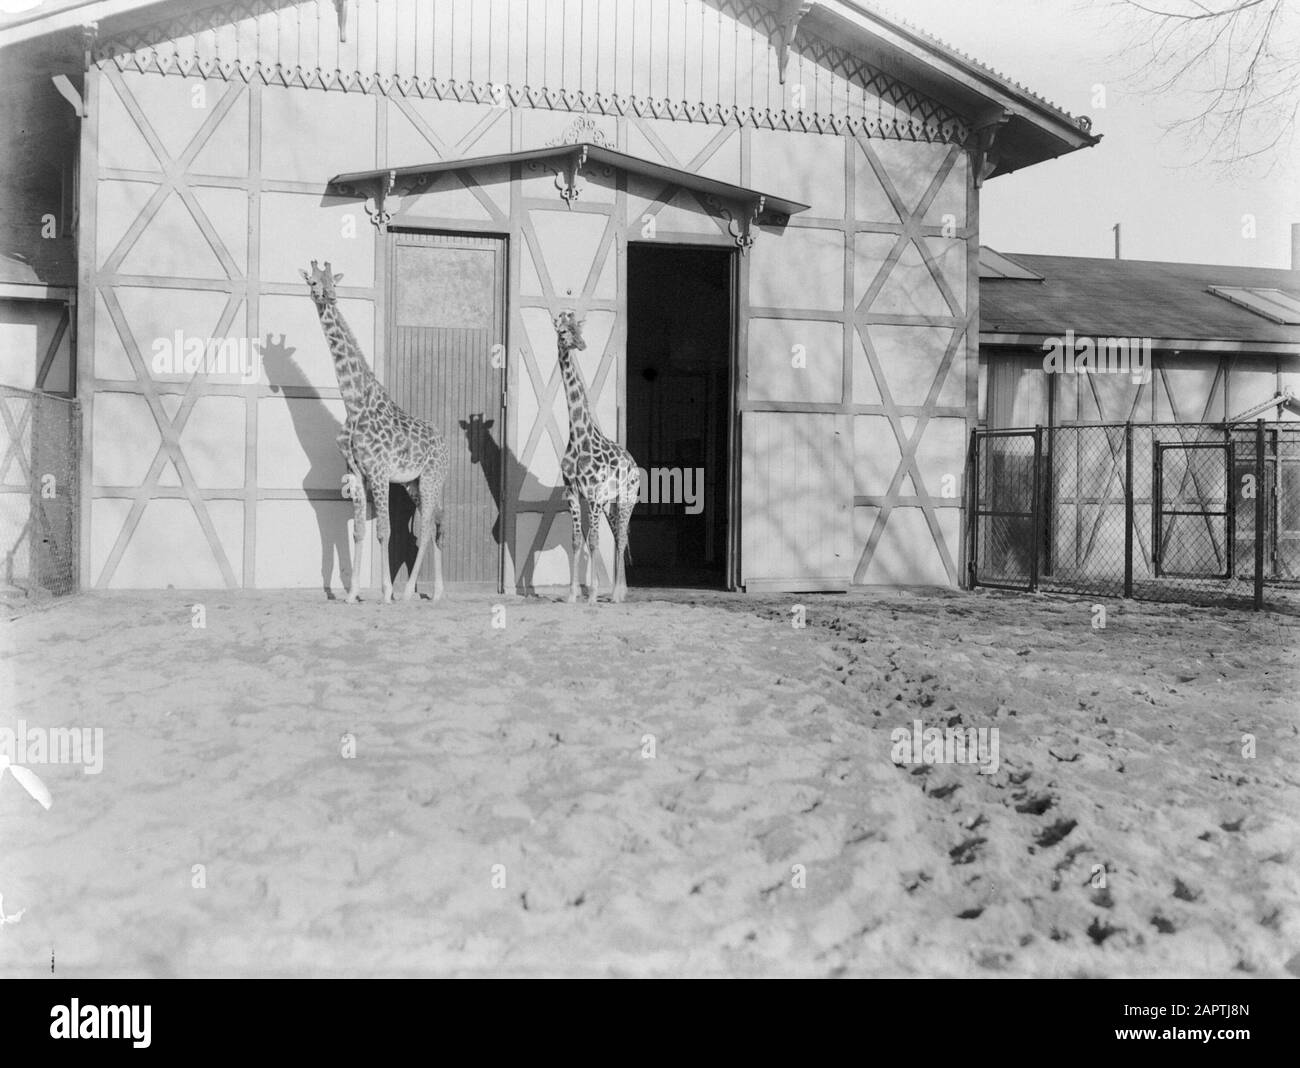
(1005, 515)
(1195, 512)
(40, 461)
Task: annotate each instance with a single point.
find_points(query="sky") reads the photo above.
(1169, 205)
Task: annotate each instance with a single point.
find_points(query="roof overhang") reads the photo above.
(51, 37)
(1014, 127)
(995, 339)
(53, 16)
(744, 207)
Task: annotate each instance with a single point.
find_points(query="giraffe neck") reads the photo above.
(353, 372)
(580, 422)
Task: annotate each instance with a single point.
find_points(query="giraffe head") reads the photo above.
(321, 283)
(568, 327)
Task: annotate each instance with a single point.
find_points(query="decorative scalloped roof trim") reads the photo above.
(888, 15)
(836, 57)
(948, 131)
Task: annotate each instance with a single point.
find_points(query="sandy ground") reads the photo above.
(681, 786)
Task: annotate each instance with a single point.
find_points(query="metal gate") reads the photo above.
(1285, 501)
(1005, 531)
(1198, 512)
(1281, 491)
(1192, 510)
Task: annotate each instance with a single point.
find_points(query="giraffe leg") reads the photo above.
(379, 491)
(430, 519)
(352, 482)
(629, 497)
(354, 489)
(437, 515)
(575, 513)
(358, 542)
(593, 550)
(621, 514)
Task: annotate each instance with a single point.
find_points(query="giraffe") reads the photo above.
(381, 445)
(595, 469)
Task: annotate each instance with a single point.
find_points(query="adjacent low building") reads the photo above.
(1148, 380)
(1210, 341)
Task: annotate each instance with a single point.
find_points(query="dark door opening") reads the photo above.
(446, 318)
(678, 412)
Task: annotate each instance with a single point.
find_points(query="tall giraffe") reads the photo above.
(595, 469)
(381, 445)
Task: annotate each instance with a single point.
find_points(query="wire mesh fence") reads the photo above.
(40, 458)
(1195, 512)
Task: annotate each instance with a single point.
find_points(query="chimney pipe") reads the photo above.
(1116, 229)
(1295, 246)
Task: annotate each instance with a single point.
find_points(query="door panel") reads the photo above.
(796, 529)
(447, 313)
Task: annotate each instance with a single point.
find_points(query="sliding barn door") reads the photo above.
(447, 317)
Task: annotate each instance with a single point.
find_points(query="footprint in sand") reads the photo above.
(967, 851)
(1036, 806)
(1049, 836)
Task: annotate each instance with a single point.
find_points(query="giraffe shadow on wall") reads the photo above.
(559, 538)
(316, 428)
(554, 511)
(503, 474)
(487, 454)
(485, 451)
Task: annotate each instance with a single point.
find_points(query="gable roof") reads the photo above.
(1095, 297)
(1028, 128)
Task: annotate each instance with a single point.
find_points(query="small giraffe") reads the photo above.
(595, 469)
(381, 445)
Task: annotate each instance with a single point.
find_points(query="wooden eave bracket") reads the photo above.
(569, 169)
(984, 143)
(742, 219)
(568, 179)
(69, 93)
(380, 215)
(62, 83)
(787, 26)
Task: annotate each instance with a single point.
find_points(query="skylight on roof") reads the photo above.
(1272, 304)
(995, 265)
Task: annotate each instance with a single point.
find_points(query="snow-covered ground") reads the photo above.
(675, 786)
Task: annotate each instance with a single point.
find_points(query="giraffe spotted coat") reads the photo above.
(595, 469)
(381, 445)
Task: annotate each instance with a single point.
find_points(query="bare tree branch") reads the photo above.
(1239, 62)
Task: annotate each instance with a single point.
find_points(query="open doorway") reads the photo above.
(678, 412)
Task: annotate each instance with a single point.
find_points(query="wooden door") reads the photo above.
(797, 494)
(446, 364)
